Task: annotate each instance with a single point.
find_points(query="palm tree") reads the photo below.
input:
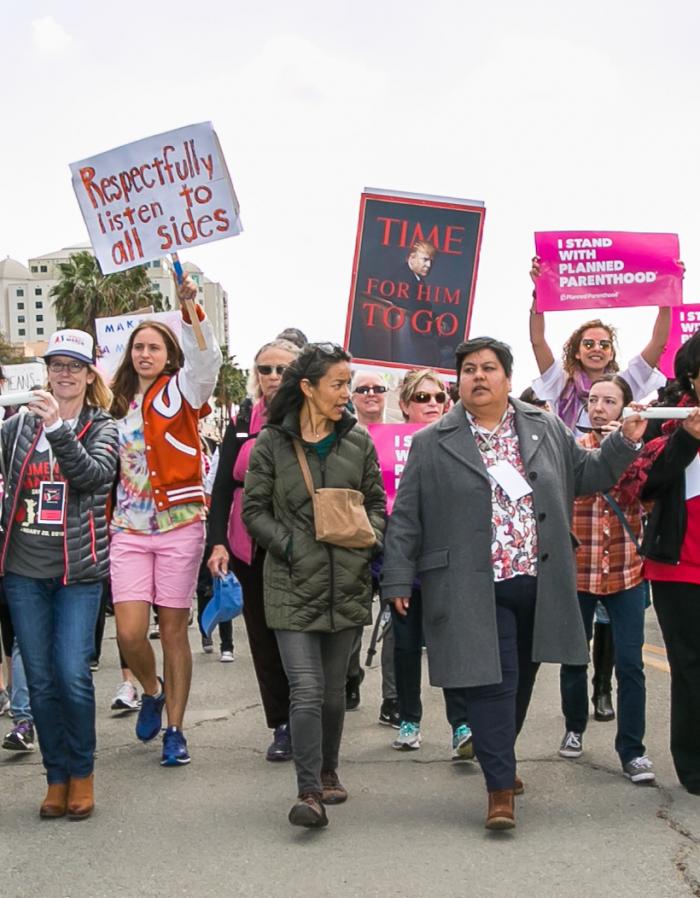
(230, 387)
(83, 293)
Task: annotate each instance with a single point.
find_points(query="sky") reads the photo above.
(556, 115)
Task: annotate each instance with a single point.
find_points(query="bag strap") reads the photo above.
(305, 470)
(623, 520)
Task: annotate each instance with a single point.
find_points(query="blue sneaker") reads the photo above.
(174, 748)
(148, 723)
(462, 744)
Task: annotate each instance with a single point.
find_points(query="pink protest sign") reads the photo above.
(392, 442)
(685, 321)
(607, 269)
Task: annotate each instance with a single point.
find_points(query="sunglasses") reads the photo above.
(422, 397)
(268, 369)
(363, 391)
(605, 345)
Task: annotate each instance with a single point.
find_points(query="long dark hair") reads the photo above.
(126, 381)
(313, 362)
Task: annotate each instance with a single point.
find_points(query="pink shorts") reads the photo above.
(159, 568)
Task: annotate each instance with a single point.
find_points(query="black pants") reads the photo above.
(205, 591)
(408, 664)
(272, 680)
(677, 607)
(497, 711)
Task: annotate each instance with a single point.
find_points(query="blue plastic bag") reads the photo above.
(225, 604)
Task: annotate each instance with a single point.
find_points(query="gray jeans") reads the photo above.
(316, 665)
(387, 659)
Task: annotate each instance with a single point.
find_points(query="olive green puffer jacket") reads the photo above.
(310, 585)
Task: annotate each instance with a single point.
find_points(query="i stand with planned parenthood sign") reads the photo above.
(607, 269)
(413, 279)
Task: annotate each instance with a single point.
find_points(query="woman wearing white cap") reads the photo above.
(59, 462)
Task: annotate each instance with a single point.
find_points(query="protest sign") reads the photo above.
(156, 196)
(607, 269)
(23, 376)
(413, 279)
(112, 335)
(685, 321)
(392, 442)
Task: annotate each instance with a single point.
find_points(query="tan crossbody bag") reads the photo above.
(339, 514)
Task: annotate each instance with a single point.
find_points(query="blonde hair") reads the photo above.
(411, 381)
(253, 383)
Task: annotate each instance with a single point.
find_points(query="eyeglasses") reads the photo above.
(422, 397)
(73, 367)
(605, 345)
(268, 369)
(367, 389)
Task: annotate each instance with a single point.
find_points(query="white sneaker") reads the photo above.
(126, 698)
(639, 770)
(226, 657)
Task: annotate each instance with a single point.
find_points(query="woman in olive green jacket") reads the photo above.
(316, 594)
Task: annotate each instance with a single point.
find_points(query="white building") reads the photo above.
(26, 309)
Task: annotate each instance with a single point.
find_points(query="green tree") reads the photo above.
(8, 351)
(83, 293)
(230, 387)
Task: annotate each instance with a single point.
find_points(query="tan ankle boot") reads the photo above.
(54, 805)
(501, 810)
(81, 799)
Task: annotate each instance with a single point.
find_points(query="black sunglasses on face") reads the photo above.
(422, 397)
(364, 390)
(591, 344)
(268, 369)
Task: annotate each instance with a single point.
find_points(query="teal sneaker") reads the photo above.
(462, 744)
(408, 738)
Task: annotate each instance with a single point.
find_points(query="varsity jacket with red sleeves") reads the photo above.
(171, 420)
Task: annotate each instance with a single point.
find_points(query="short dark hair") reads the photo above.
(311, 364)
(478, 344)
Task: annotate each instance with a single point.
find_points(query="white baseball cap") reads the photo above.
(73, 343)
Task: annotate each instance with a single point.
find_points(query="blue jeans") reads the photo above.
(626, 611)
(55, 629)
(19, 702)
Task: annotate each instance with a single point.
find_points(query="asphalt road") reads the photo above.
(413, 825)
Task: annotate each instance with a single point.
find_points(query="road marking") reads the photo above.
(655, 656)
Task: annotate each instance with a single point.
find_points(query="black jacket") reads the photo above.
(87, 460)
(665, 530)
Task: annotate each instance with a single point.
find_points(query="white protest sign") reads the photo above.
(23, 376)
(155, 196)
(113, 334)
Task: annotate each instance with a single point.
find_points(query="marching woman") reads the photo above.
(59, 463)
(158, 522)
(316, 591)
(227, 533)
(669, 470)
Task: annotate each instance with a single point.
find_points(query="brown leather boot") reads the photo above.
(54, 805)
(501, 810)
(518, 786)
(81, 799)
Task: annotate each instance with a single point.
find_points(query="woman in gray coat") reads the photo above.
(483, 517)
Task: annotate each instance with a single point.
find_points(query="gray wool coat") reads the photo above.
(440, 531)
